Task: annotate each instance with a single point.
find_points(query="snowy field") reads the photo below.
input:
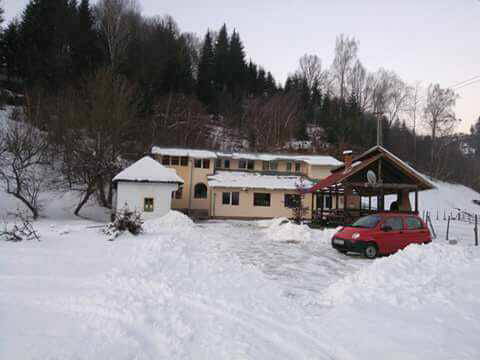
(234, 290)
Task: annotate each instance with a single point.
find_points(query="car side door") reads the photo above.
(392, 234)
(415, 230)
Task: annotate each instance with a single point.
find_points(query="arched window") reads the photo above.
(200, 191)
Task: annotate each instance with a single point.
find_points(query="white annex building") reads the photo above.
(146, 186)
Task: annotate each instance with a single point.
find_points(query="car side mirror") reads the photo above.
(386, 228)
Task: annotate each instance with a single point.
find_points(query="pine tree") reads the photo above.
(222, 59)
(86, 50)
(237, 67)
(205, 83)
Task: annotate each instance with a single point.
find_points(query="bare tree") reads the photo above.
(93, 135)
(439, 117)
(414, 105)
(346, 49)
(23, 163)
(271, 122)
(115, 20)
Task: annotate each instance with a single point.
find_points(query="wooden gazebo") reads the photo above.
(374, 174)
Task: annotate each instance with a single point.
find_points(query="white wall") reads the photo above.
(134, 193)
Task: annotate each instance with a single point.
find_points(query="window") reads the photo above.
(200, 191)
(261, 199)
(250, 164)
(396, 223)
(327, 202)
(218, 163)
(198, 163)
(174, 160)
(184, 161)
(148, 204)
(413, 223)
(273, 165)
(226, 164)
(179, 192)
(166, 160)
(242, 164)
(291, 200)
(298, 166)
(289, 166)
(235, 198)
(226, 198)
(229, 198)
(265, 165)
(206, 163)
(367, 222)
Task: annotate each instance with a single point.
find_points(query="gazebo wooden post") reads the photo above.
(369, 203)
(321, 205)
(336, 197)
(416, 201)
(313, 213)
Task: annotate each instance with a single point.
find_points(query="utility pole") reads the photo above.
(379, 115)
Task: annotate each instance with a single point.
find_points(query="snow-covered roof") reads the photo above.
(252, 180)
(323, 160)
(318, 160)
(193, 153)
(148, 170)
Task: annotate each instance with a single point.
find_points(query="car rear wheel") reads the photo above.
(370, 251)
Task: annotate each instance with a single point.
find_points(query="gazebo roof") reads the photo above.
(395, 174)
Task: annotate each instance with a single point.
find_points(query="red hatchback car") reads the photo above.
(381, 234)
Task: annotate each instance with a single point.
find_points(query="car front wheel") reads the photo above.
(370, 251)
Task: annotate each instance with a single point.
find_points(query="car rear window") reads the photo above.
(413, 223)
(396, 223)
(367, 222)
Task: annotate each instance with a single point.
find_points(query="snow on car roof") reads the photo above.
(148, 170)
(193, 153)
(252, 180)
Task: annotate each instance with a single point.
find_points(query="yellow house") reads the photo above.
(243, 185)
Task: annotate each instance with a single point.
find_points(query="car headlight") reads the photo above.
(355, 236)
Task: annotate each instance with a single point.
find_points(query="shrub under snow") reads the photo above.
(125, 220)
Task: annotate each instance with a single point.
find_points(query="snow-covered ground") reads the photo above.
(234, 290)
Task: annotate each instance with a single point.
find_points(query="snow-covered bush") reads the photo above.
(125, 220)
(21, 230)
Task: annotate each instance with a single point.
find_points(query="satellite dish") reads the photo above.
(371, 177)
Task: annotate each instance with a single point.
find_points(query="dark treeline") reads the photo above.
(106, 83)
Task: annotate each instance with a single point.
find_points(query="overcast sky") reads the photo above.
(421, 40)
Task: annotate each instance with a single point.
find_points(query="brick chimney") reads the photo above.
(347, 158)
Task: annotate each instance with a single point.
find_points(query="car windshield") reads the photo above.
(367, 222)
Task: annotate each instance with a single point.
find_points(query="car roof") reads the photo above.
(390, 214)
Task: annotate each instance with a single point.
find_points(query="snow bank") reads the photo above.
(282, 229)
(418, 274)
(174, 220)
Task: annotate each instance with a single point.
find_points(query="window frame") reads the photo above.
(195, 193)
(289, 203)
(226, 163)
(218, 163)
(385, 222)
(226, 198)
(266, 202)
(251, 164)
(206, 163)
(174, 160)
(184, 161)
(414, 218)
(197, 163)
(298, 166)
(242, 162)
(289, 166)
(148, 207)
(166, 160)
(235, 199)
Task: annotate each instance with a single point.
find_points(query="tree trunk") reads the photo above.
(32, 208)
(84, 200)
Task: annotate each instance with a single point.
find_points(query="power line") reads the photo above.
(464, 81)
(467, 84)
